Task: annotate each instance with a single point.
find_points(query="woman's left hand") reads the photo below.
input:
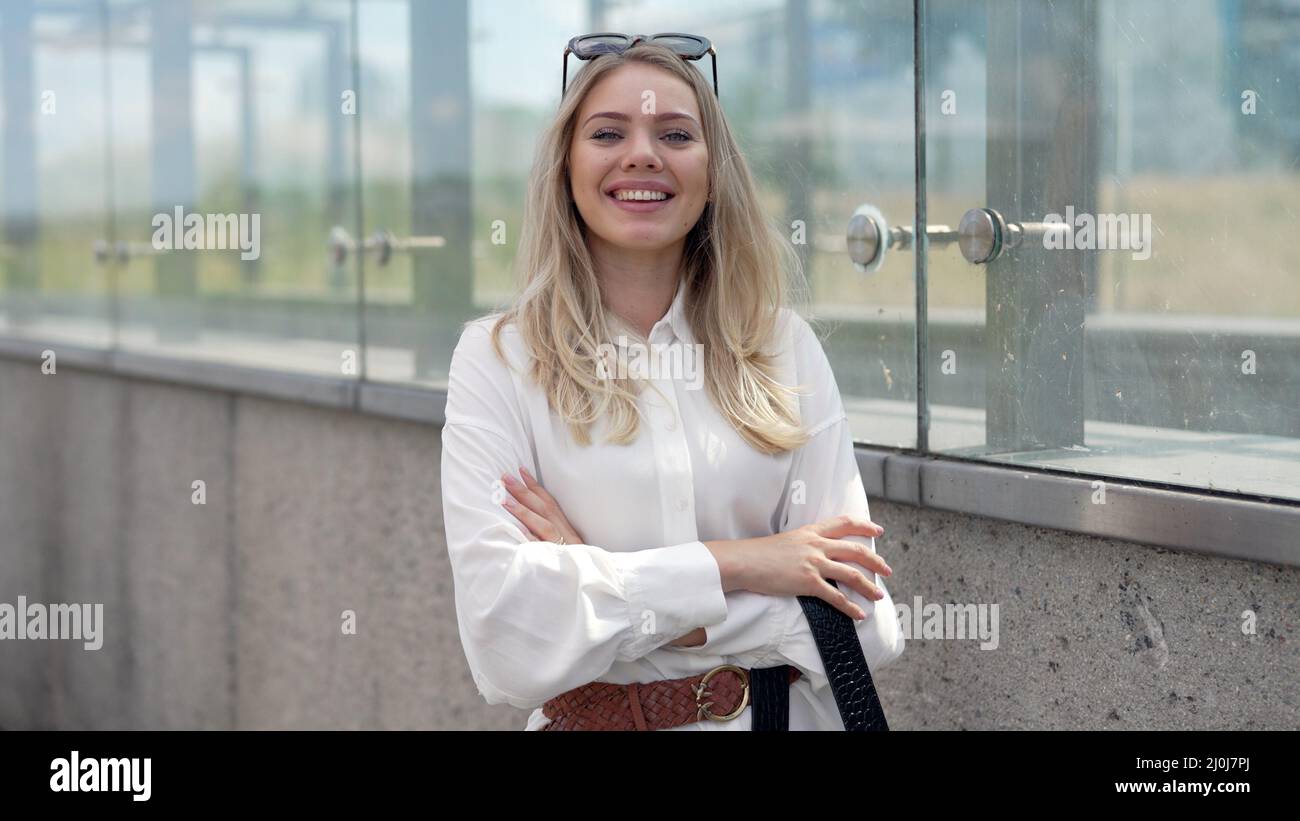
(538, 511)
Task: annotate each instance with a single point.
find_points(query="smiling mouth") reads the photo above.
(637, 195)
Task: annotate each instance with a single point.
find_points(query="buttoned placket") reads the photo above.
(668, 435)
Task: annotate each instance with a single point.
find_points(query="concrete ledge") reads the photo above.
(326, 391)
(1177, 519)
(409, 402)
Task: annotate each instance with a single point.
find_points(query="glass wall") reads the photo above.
(54, 184)
(245, 120)
(1141, 316)
(821, 97)
(334, 186)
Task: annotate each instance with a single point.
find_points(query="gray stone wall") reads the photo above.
(227, 614)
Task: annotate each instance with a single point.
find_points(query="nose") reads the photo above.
(642, 152)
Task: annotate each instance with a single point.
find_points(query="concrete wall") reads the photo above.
(227, 615)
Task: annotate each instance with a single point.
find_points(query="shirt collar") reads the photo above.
(677, 316)
(675, 320)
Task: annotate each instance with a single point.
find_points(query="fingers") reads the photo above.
(854, 578)
(525, 494)
(535, 525)
(842, 551)
(537, 509)
(836, 598)
(534, 485)
(838, 527)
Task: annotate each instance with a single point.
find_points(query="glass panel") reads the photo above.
(234, 158)
(1154, 335)
(53, 193)
(449, 130)
(795, 79)
(820, 95)
(384, 54)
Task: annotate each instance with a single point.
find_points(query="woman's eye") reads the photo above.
(677, 135)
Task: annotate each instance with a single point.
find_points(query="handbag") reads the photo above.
(846, 668)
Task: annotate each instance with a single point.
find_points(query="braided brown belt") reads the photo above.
(718, 695)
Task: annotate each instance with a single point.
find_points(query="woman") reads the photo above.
(610, 523)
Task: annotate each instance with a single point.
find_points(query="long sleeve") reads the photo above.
(537, 618)
(834, 486)
(754, 629)
(824, 482)
(763, 631)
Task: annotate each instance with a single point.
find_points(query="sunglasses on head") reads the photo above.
(590, 46)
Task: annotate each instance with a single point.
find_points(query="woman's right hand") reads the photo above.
(798, 562)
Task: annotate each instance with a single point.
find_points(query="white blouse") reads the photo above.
(538, 618)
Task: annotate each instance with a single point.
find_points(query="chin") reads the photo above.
(639, 241)
(644, 244)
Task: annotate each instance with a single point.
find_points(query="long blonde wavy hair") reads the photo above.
(738, 272)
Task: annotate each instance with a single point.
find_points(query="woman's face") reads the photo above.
(638, 165)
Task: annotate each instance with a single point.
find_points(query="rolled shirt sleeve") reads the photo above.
(754, 628)
(537, 618)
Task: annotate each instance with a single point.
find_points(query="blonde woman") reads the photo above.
(646, 458)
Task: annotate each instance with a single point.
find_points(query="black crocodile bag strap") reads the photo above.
(846, 666)
(769, 696)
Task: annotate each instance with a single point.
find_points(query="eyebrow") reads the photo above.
(616, 115)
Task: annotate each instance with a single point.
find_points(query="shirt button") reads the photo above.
(682, 504)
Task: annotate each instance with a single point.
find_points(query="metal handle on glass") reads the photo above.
(985, 234)
(383, 242)
(122, 251)
(982, 235)
(868, 225)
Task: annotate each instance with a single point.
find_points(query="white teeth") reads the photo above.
(630, 194)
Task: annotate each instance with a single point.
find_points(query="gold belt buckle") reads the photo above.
(702, 692)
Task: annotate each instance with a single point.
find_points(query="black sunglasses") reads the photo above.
(590, 46)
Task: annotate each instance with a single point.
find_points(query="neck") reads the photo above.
(638, 286)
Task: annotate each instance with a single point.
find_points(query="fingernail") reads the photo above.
(889, 571)
(861, 614)
(508, 479)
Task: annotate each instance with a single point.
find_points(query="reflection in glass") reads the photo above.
(53, 189)
(820, 97)
(1157, 339)
(385, 147)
